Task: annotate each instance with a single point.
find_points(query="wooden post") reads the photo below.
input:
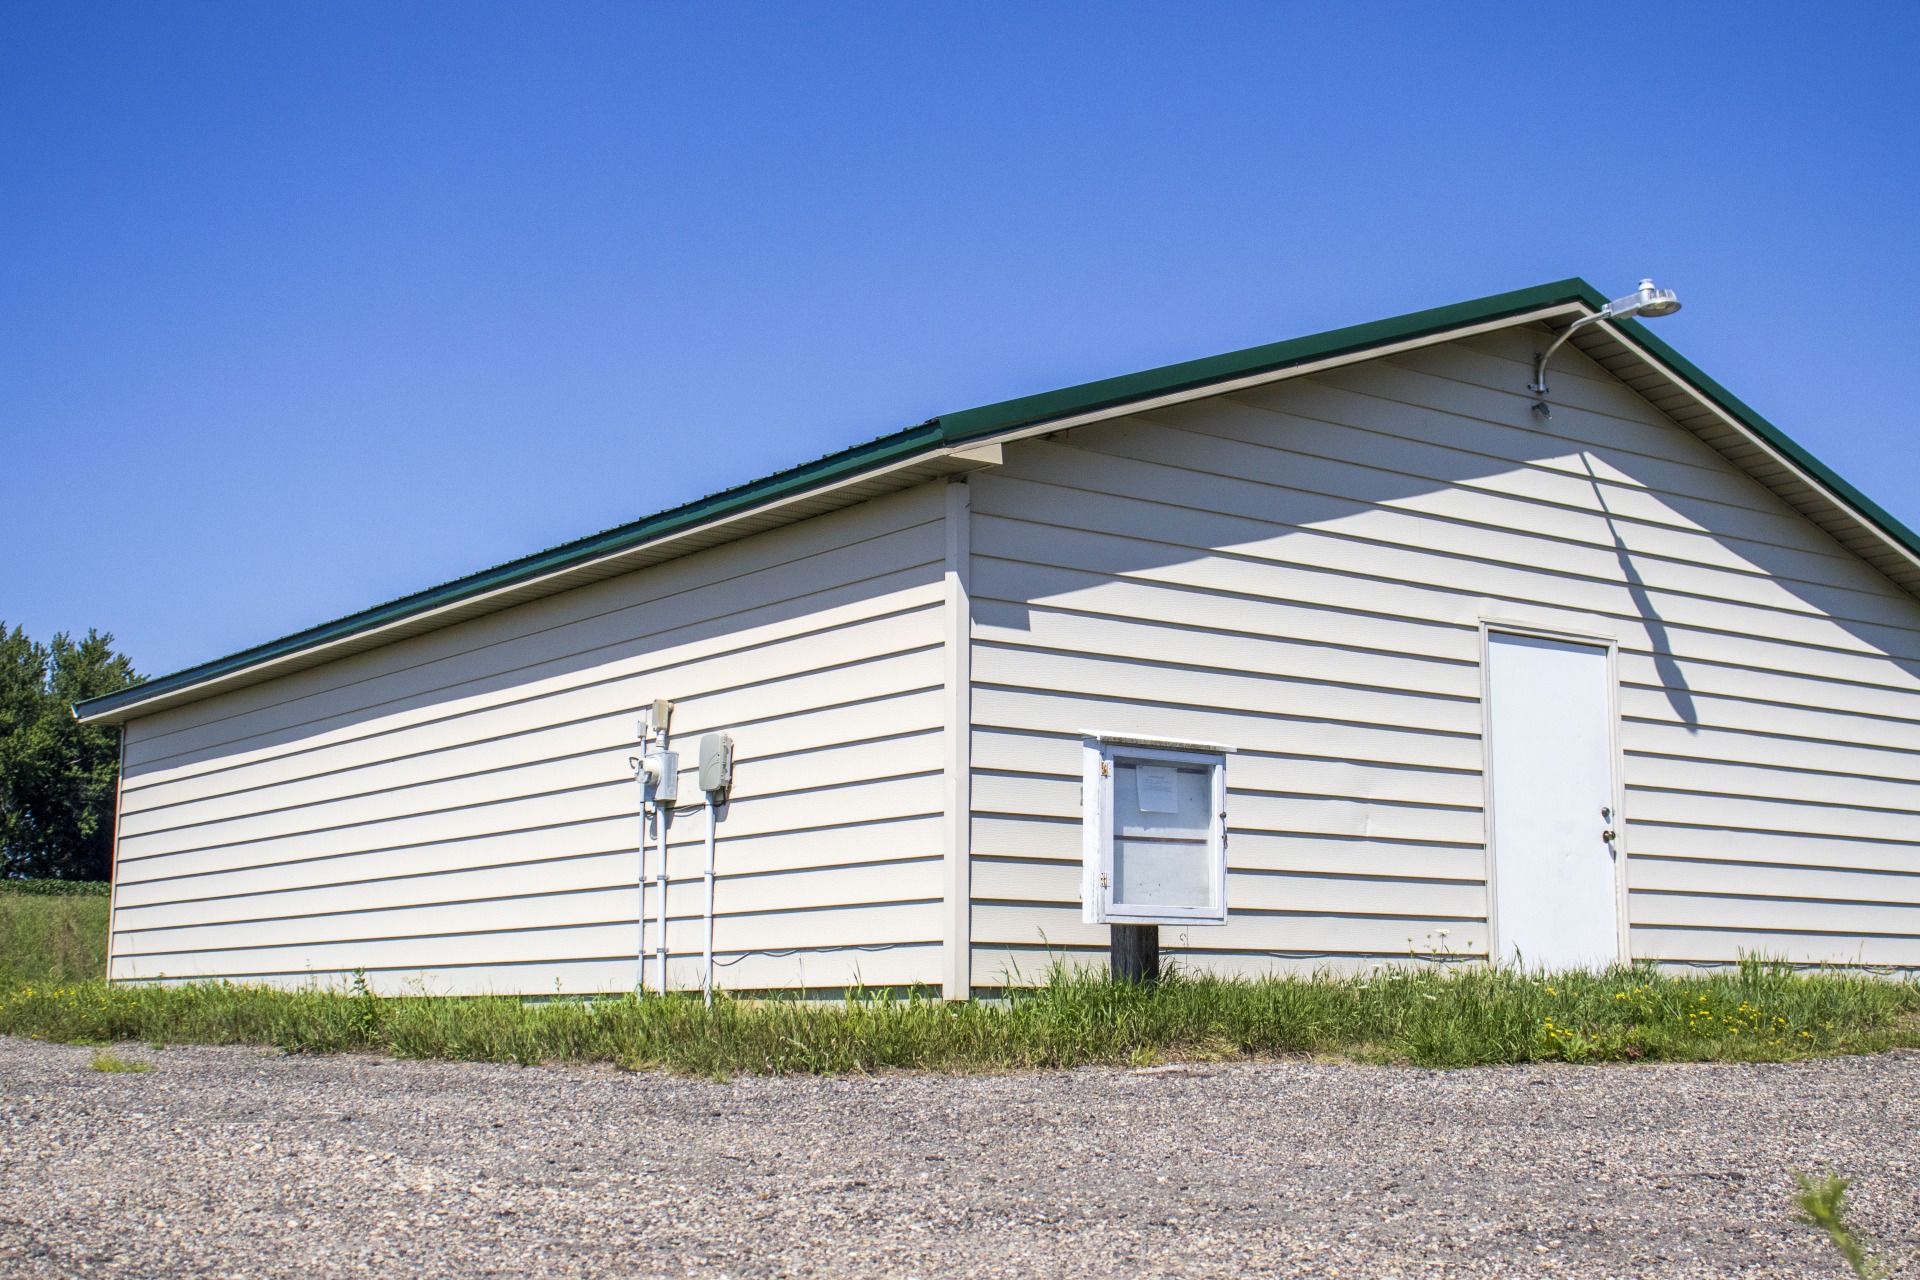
(1134, 953)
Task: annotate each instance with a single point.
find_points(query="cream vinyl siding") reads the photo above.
(1301, 571)
(455, 812)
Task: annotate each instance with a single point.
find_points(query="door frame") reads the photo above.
(1610, 644)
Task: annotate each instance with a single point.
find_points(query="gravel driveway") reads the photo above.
(238, 1162)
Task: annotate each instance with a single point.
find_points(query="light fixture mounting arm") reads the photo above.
(1539, 384)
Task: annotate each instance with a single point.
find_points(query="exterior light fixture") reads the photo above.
(1645, 301)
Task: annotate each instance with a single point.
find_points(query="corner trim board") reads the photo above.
(956, 979)
(113, 854)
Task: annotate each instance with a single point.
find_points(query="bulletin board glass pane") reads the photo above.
(1159, 800)
(1163, 828)
(1162, 873)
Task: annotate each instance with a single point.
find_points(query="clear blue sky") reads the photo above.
(304, 306)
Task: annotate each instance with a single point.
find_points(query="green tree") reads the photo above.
(57, 777)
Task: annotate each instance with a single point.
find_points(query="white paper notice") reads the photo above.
(1157, 788)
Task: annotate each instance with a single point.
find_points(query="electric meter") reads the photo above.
(660, 777)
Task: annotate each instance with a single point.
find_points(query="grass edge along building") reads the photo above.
(1315, 654)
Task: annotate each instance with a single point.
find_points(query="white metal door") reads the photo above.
(1549, 721)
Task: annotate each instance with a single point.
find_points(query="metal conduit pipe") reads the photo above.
(706, 980)
(716, 781)
(640, 887)
(640, 876)
(659, 899)
(649, 821)
(658, 771)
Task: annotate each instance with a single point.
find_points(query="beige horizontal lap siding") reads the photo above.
(464, 714)
(715, 598)
(1301, 571)
(449, 962)
(456, 811)
(524, 762)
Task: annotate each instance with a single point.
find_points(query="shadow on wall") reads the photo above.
(1673, 681)
(1428, 471)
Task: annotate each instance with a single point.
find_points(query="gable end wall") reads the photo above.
(1302, 571)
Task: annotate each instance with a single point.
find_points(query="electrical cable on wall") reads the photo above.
(809, 951)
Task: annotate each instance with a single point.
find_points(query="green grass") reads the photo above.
(108, 1060)
(58, 888)
(51, 931)
(1442, 1018)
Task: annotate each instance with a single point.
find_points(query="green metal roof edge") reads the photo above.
(971, 424)
(1271, 358)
